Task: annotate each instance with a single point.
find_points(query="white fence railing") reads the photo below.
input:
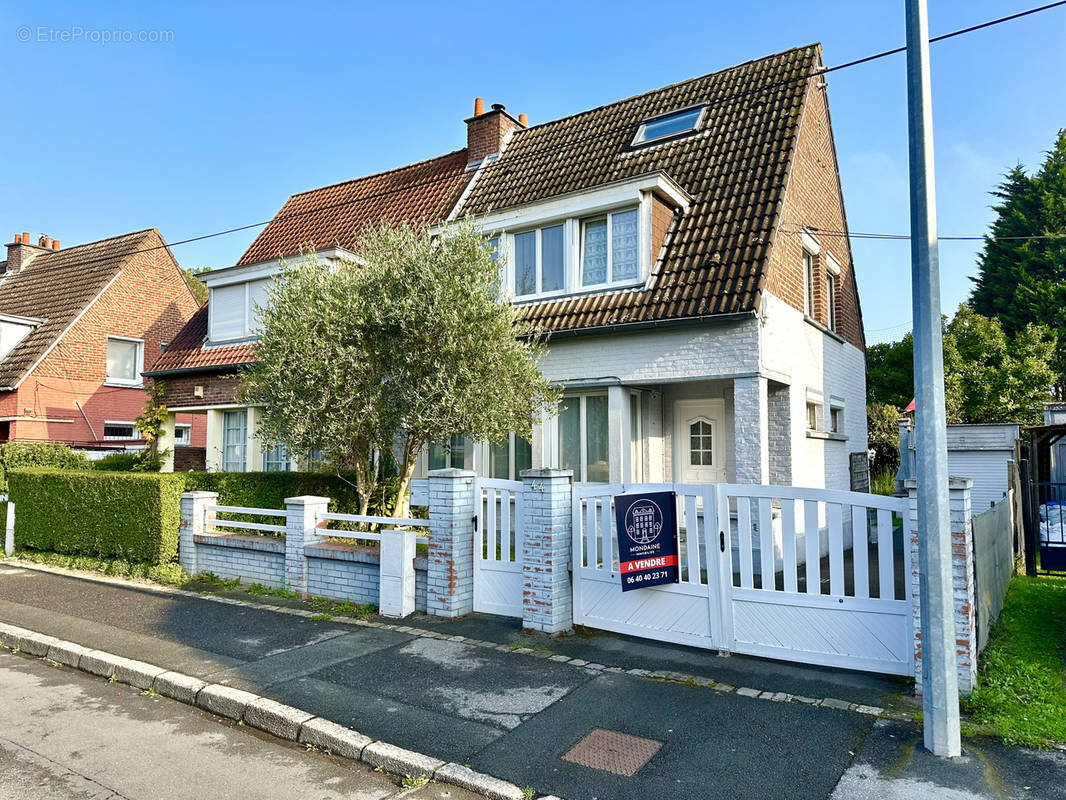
(9, 527)
(216, 525)
(363, 519)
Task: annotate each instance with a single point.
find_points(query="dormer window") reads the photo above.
(539, 261)
(668, 126)
(233, 312)
(610, 249)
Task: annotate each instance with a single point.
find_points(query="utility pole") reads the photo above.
(940, 688)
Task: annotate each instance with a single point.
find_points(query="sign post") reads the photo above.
(647, 539)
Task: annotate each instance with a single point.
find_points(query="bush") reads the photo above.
(269, 489)
(132, 516)
(38, 454)
(118, 462)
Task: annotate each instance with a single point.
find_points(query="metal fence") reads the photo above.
(993, 545)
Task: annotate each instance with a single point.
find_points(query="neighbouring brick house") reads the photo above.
(686, 248)
(78, 326)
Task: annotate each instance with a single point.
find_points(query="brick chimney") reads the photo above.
(21, 252)
(487, 131)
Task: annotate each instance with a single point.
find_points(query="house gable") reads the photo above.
(813, 200)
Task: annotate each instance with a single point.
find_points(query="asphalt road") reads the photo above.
(516, 716)
(68, 736)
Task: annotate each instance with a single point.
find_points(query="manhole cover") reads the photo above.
(612, 751)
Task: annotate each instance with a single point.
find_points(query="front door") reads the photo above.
(698, 432)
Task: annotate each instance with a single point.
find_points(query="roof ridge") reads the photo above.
(671, 86)
(379, 174)
(40, 264)
(108, 239)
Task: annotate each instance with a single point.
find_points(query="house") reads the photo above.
(686, 249)
(78, 326)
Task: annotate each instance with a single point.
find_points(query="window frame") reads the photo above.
(581, 474)
(112, 438)
(831, 301)
(232, 414)
(513, 473)
(640, 140)
(138, 379)
(274, 465)
(809, 266)
(250, 327)
(538, 262)
(186, 440)
(610, 281)
(812, 411)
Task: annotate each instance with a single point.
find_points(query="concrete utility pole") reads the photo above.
(940, 689)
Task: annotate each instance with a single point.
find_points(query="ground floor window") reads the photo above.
(182, 435)
(234, 440)
(452, 454)
(583, 437)
(509, 458)
(276, 459)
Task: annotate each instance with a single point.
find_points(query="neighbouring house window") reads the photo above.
(120, 431)
(452, 454)
(701, 444)
(610, 250)
(808, 283)
(539, 261)
(182, 435)
(276, 459)
(583, 438)
(234, 440)
(494, 247)
(831, 300)
(812, 416)
(836, 420)
(665, 126)
(124, 360)
(636, 440)
(233, 312)
(509, 458)
(315, 460)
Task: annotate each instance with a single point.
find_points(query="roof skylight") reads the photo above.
(667, 126)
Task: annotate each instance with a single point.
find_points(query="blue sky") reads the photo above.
(249, 102)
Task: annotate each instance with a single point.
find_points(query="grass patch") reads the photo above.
(170, 574)
(1021, 675)
(260, 589)
(883, 482)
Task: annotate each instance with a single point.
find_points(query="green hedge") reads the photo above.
(129, 515)
(269, 489)
(38, 454)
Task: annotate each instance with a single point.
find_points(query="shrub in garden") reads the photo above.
(38, 454)
(269, 489)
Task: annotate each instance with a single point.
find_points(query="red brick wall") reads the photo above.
(485, 134)
(661, 217)
(813, 199)
(219, 389)
(149, 300)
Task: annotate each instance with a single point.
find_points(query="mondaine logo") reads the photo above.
(644, 522)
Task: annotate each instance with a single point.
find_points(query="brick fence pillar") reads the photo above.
(450, 575)
(962, 578)
(301, 524)
(547, 597)
(194, 519)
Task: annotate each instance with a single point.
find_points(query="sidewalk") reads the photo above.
(510, 714)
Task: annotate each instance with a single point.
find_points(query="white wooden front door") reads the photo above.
(698, 432)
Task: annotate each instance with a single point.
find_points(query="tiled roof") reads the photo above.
(187, 351)
(59, 285)
(736, 169)
(420, 194)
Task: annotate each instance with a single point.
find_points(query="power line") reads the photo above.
(571, 143)
(905, 236)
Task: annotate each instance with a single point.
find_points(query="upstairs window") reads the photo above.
(610, 249)
(182, 435)
(831, 300)
(234, 310)
(124, 358)
(539, 264)
(667, 126)
(808, 283)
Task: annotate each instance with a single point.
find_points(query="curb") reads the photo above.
(529, 652)
(277, 719)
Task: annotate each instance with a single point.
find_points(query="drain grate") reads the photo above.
(612, 751)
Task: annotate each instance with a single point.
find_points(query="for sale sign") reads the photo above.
(647, 539)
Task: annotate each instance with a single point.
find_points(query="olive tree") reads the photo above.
(405, 346)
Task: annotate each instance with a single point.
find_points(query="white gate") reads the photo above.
(498, 533)
(688, 612)
(840, 592)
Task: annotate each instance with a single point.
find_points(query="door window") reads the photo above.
(701, 444)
